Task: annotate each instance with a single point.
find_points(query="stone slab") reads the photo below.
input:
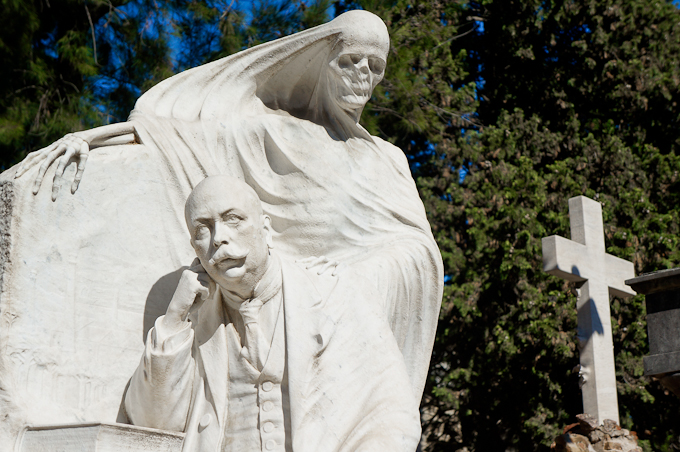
(72, 335)
(649, 283)
(99, 437)
(662, 364)
(662, 289)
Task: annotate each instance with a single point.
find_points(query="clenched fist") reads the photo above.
(194, 284)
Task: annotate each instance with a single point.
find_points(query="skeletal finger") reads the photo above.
(59, 173)
(317, 261)
(30, 161)
(82, 161)
(51, 157)
(33, 158)
(326, 266)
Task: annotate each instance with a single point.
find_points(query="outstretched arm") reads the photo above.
(74, 147)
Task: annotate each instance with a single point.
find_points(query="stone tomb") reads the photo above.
(71, 338)
(662, 298)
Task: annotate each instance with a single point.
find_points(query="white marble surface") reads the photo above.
(329, 376)
(598, 275)
(71, 331)
(97, 437)
(88, 273)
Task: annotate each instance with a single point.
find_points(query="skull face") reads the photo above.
(354, 71)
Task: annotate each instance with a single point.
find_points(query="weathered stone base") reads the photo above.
(587, 436)
(98, 437)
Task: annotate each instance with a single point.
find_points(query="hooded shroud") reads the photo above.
(265, 115)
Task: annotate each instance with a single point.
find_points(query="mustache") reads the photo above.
(225, 252)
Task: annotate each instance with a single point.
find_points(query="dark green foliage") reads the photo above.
(46, 55)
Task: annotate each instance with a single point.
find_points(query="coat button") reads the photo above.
(270, 445)
(205, 421)
(268, 406)
(268, 427)
(267, 386)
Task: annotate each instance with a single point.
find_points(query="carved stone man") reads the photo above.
(257, 353)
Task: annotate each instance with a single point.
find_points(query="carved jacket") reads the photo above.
(347, 382)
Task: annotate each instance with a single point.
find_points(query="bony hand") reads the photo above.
(72, 147)
(323, 263)
(194, 285)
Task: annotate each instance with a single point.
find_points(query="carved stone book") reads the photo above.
(99, 438)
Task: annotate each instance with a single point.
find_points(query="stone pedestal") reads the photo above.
(662, 296)
(98, 437)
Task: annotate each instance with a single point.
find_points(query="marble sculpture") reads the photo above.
(276, 358)
(89, 273)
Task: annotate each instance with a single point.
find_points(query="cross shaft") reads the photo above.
(597, 275)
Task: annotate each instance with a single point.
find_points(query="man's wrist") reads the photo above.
(173, 323)
(169, 333)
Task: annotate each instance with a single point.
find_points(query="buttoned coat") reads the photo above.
(347, 382)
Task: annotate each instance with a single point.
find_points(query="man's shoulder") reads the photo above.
(348, 285)
(308, 279)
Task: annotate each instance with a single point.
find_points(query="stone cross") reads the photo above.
(598, 275)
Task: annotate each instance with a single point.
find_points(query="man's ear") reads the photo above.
(267, 225)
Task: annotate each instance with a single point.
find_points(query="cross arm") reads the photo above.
(560, 258)
(619, 270)
(570, 260)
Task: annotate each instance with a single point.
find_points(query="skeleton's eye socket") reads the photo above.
(356, 58)
(377, 65)
(345, 62)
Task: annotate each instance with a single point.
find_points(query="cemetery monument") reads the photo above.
(85, 275)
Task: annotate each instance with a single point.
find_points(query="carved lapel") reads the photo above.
(212, 343)
(305, 336)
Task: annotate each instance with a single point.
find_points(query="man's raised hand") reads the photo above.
(194, 284)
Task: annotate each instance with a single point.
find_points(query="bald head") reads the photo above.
(220, 187)
(229, 232)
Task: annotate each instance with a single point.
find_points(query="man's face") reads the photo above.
(230, 236)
